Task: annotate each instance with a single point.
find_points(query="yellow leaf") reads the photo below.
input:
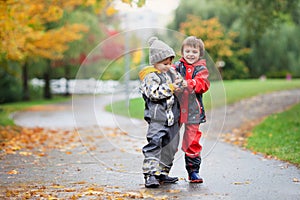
(13, 172)
(110, 11)
(241, 183)
(173, 191)
(127, 1)
(24, 153)
(57, 186)
(70, 190)
(296, 180)
(237, 183)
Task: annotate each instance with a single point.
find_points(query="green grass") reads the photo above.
(135, 110)
(241, 89)
(7, 109)
(279, 136)
(220, 94)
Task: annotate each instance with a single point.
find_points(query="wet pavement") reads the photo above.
(107, 152)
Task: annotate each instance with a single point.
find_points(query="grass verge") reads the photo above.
(278, 136)
(7, 109)
(135, 109)
(241, 89)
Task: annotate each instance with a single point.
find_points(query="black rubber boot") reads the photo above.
(166, 179)
(151, 181)
(194, 177)
(192, 166)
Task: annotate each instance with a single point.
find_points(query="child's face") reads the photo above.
(164, 65)
(191, 54)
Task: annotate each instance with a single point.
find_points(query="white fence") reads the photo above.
(87, 86)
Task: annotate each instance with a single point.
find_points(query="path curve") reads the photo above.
(229, 171)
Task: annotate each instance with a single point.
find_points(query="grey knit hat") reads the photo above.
(159, 50)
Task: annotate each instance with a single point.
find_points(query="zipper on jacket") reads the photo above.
(199, 105)
(155, 111)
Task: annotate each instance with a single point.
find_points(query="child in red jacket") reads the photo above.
(193, 69)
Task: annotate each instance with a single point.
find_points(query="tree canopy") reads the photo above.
(263, 32)
(51, 30)
(24, 30)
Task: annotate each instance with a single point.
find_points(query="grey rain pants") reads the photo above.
(161, 148)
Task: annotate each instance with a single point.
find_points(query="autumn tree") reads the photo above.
(24, 34)
(27, 29)
(218, 43)
(211, 31)
(224, 17)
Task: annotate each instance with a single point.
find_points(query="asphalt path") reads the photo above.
(229, 171)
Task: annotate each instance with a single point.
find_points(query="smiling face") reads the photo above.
(191, 54)
(164, 65)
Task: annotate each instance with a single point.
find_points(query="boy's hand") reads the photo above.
(178, 85)
(184, 83)
(178, 82)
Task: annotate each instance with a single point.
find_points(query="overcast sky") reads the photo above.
(163, 8)
(159, 6)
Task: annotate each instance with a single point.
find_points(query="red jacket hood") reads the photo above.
(201, 62)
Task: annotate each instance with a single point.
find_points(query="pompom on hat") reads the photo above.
(159, 50)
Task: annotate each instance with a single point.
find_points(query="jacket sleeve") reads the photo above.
(201, 82)
(154, 90)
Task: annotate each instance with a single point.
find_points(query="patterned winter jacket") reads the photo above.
(161, 105)
(191, 104)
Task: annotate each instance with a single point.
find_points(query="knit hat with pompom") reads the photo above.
(159, 50)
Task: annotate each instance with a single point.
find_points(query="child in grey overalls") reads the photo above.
(159, 83)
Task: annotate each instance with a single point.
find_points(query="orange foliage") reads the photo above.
(139, 3)
(53, 43)
(137, 57)
(35, 141)
(110, 11)
(23, 32)
(217, 43)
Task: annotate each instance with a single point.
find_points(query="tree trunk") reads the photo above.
(67, 76)
(47, 77)
(25, 92)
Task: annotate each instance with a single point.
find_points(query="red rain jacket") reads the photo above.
(191, 104)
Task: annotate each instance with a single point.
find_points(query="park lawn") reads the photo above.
(135, 109)
(225, 92)
(241, 89)
(279, 136)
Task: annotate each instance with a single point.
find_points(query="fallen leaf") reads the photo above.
(70, 190)
(241, 183)
(296, 180)
(237, 183)
(80, 182)
(57, 186)
(25, 153)
(13, 172)
(173, 191)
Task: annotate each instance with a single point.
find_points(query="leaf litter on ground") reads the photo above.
(22, 141)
